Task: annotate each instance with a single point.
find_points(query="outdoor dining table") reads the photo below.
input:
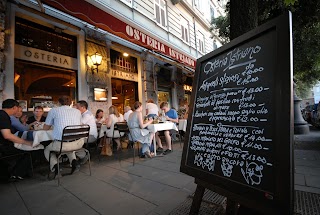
(182, 125)
(103, 129)
(38, 137)
(161, 127)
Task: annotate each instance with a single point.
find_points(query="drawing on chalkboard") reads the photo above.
(226, 168)
(253, 173)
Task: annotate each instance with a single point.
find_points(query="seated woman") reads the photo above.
(114, 117)
(99, 117)
(138, 131)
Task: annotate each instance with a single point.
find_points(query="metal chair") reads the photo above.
(94, 144)
(123, 129)
(8, 157)
(69, 134)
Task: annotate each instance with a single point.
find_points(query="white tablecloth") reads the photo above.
(38, 136)
(102, 130)
(161, 127)
(183, 125)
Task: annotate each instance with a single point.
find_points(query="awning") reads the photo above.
(101, 19)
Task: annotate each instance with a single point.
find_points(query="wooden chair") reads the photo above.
(69, 134)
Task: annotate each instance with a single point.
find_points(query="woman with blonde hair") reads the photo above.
(114, 117)
(138, 129)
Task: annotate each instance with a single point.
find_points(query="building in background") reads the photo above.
(107, 52)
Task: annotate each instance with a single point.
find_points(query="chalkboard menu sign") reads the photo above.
(239, 135)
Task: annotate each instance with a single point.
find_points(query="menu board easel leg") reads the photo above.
(197, 199)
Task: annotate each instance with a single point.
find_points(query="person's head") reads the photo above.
(113, 110)
(82, 106)
(99, 113)
(150, 101)
(10, 106)
(137, 106)
(65, 100)
(19, 113)
(38, 111)
(127, 108)
(164, 106)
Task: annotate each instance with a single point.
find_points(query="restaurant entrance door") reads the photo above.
(124, 93)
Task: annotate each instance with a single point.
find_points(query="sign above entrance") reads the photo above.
(124, 75)
(101, 19)
(44, 57)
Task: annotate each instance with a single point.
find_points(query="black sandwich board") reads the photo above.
(239, 138)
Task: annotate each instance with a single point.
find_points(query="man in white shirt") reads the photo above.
(127, 112)
(88, 119)
(59, 118)
(152, 109)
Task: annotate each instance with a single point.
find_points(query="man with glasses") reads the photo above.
(172, 116)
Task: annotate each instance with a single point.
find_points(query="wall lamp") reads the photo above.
(96, 59)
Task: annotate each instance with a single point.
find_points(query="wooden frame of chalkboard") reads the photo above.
(239, 138)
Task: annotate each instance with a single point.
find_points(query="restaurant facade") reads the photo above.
(96, 51)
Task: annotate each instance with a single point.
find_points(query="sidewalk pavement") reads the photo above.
(307, 161)
(150, 187)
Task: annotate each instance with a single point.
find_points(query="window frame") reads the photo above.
(185, 29)
(200, 42)
(199, 5)
(162, 13)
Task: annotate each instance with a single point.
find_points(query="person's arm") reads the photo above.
(141, 124)
(6, 133)
(174, 118)
(46, 127)
(109, 121)
(15, 123)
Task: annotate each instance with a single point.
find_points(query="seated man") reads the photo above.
(127, 112)
(37, 118)
(21, 168)
(88, 119)
(59, 118)
(170, 115)
(17, 126)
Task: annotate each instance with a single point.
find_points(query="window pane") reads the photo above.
(157, 14)
(187, 35)
(182, 32)
(163, 18)
(162, 4)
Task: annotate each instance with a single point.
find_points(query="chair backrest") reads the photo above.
(74, 132)
(121, 127)
(98, 127)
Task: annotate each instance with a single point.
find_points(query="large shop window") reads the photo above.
(37, 36)
(124, 93)
(42, 85)
(38, 83)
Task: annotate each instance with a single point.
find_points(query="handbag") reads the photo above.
(106, 147)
